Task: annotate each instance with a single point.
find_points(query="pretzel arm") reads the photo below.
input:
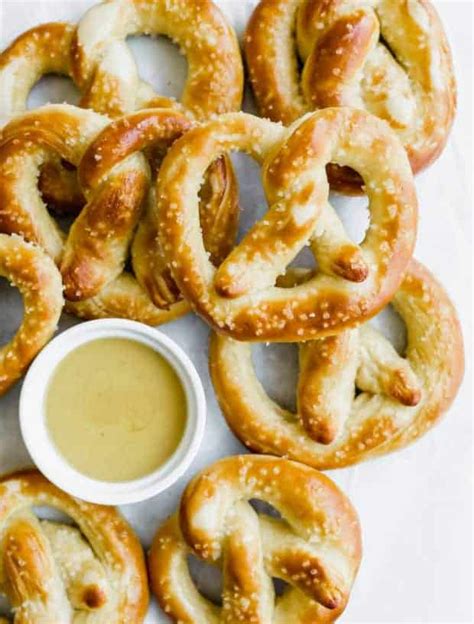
(382, 370)
(326, 384)
(82, 574)
(270, 245)
(335, 252)
(34, 585)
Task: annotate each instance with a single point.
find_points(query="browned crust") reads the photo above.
(216, 524)
(436, 355)
(334, 38)
(31, 271)
(110, 536)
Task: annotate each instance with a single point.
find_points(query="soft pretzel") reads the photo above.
(106, 71)
(354, 282)
(314, 545)
(95, 56)
(54, 572)
(115, 178)
(398, 400)
(389, 57)
(34, 274)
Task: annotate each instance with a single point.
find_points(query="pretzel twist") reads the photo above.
(388, 57)
(105, 69)
(115, 179)
(315, 546)
(354, 282)
(53, 572)
(399, 400)
(39, 282)
(95, 56)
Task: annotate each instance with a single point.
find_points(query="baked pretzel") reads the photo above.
(398, 400)
(354, 282)
(54, 572)
(105, 69)
(101, 65)
(34, 274)
(389, 57)
(315, 546)
(115, 179)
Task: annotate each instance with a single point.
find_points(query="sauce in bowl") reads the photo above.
(115, 409)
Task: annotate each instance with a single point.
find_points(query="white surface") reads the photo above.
(42, 448)
(414, 506)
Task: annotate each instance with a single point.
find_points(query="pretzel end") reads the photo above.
(351, 265)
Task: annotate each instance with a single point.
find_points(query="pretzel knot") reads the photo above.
(314, 546)
(34, 274)
(55, 572)
(389, 58)
(115, 178)
(240, 298)
(399, 398)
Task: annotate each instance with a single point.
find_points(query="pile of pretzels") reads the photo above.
(355, 97)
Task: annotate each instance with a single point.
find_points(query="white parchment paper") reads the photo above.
(414, 506)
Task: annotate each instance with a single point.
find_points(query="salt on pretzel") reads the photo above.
(315, 546)
(54, 572)
(106, 71)
(240, 299)
(30, 270)
(115, 179)
(95, 56)
(390, 57)
(399, 399)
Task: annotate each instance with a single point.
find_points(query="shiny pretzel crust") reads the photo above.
(388, 57)
(316, 549)
(239, 299)
(401, 398)
(52, 572)
(31, 271)
(106, 71)
(115, 179)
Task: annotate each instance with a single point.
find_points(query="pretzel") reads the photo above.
(54, 572)
(399, 400)
(39, 282)
(105, 69)
(239, 299)
(115, 179)
(315, 546)
(389, 57)
(102, 67)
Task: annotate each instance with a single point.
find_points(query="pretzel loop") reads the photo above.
(54, 572)
(106, 71)
(354, 281)
(39, 282)
(399, 398)
(314, 547)
(389, 58)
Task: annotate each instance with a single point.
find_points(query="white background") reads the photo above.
(414, 506)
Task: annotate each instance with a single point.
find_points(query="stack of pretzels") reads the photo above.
(354, 97)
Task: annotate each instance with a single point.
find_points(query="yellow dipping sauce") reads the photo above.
(115, 409)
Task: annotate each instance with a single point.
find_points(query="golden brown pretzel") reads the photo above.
(399, 398)
(53, 572)
(389, 57)
(354, 282)
(315, 547)
(106, 71)
(95, 56)
(115, 178)
(34, 274)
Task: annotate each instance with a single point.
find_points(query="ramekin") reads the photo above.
(47, 457)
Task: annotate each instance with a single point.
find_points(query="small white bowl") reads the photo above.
(43, 450)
